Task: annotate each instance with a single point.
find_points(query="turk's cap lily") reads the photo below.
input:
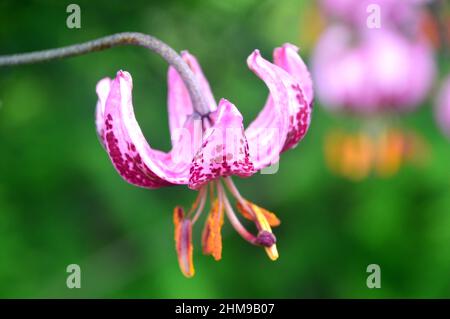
(209, 148)
(206, 147)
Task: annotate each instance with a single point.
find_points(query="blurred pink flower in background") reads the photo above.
(398, 13)
(371, 71)
(443, 107)
(373, 58)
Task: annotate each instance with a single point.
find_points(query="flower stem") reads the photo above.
(118, 39)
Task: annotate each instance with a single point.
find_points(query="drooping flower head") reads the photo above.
(209, 148)
(443, 107)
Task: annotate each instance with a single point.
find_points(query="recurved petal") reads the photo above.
(102, 89)
(267, 133)
(193, 64)
(130, 153)
(179, 101)
(284, 119)
(224, 150)
(288, 59)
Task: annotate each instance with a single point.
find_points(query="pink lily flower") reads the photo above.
(372, 71)
(443, 107)
(207, 149)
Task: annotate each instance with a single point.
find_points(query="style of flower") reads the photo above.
(207, 149)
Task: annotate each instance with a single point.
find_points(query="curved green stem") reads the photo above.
(119, 39)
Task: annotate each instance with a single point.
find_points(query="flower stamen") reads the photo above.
(265, 236)
(183, 242)
(262, 218)
(271, 218)
(211, 236)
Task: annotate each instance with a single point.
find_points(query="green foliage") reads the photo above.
(61, 202)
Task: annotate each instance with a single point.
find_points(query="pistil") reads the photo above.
(233, 218)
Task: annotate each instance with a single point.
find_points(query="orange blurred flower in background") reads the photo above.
(375, 73)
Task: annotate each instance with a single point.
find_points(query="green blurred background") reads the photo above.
(61, 201)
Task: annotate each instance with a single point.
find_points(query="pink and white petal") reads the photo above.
(272, 122)
(179, 101)
(265, 137)
(299, 116)
(284, 119)
(130, 153)
(288, 59)
(193, 64)
(224, 151)
(102, 89)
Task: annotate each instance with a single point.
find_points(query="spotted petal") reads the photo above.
(284, 119)
(287, 57)
(130, 153)
(224, 150)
